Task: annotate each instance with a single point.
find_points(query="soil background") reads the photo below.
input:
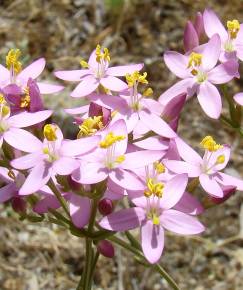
(42, 257)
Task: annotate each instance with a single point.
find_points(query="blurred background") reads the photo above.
(38, 257)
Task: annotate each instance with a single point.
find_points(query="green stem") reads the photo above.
(95, 260)
(193, 184)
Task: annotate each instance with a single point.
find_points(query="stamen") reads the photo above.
(233, 28)
(5, 111)
(148, 92)
(50, 132)
(209, 144)
(90, 126)
(220, 159)
(102, 54)
(110, 139)
(195, 60)
(136, 78)
(25, 101)
(159, 167)
(155, 189)
(2, 99)
(11, 174)
(156, 220)
(120, 159)
(84, 63)
(12, 60)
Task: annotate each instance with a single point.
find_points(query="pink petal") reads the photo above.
(113, 83)
(173, 108)
(177, 64)
(239, 98)
(33, 70)
(211, 52)
(79, 146)
(72, 75)
(173, 191)
(180, 223)
(224, 72)
(125, 219)
(153, 106)
(156, 124)
(79, 110)
(49, 88)
(86, 87)
(80, 208)
(153, 143)
(152, 238)
(5, 74)
(190, 37)
(180, 167)
(210, 185)
(141, 158)
(213, 25)
(22, 140)
(7, 192)
(26, 119)
(229, 180)
(122, 70)
(214, 156)
(65, 165)
(92, 61)
(210, 99)
(189, 205)
(199, 25)
(48, 202)
(37, 178)
(27, 161)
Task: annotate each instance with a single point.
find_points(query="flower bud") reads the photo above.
(19, 204)
(106, 249)
(73, 184)
(190, 37)
(228, 192)
(105, 206)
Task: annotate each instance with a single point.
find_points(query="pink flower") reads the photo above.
(199, 73)
(231, 39)
(207, 169)
(153, 213)
(239, 98)
(14, 74)
(96, 72)
(111, 160)
(53, 156)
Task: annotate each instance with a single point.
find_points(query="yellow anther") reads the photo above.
(220, 159)
(110, 139)
(11, 174)
(25, 101)
(12, 60)
(233, 28)
(155, 188)
(136, 78)
(5, 111)
(102, 54)
(84, 63)
(156, 220)
(159, 167)
(46, 150)
(90, 126)
(209, 144)
(50, 132)
(113, 113)
(148, 92)
(2, 99)
(120, 159)
(147, 193)
(195, 60)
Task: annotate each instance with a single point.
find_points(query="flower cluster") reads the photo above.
(127, 144)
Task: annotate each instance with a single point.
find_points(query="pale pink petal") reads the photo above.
(180, 223)
(187, 153)
(239, 51)
(80, 209)
(173, 191)
(113, 83)
(152, 239)
(190, 37)
(239, 98)
(125, 219)
(27, 161)
(173, 108)
(26, 119)
(79, 110)
(180, 167)
(86, 87)
(79, 146)
(224, 72)
(177, 64)
(152, 105)
(48, 202)
(131, 120)
(65, 165)
(49, 88)
(189, 205)
(153, 143)
(229, 180)
(126, 179)
(33, 70)
(22, 140)
(7, 192)
(211, 186)
(93, 64)
(141, 158)
(72, 75)
(156, 124)
(122, 70)
(211, 52)
(225, 151)
(187, 86)
(210, 100)
(213, 25)
(5, 74)
(37, 178)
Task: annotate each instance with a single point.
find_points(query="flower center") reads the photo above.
(194, 63)
(90, 126)
(13, 64)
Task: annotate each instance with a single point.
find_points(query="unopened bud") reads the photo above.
(19, 204)
(73, 184)
(105, 206)
(106, 249)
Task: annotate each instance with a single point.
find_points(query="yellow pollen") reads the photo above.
(84, 63)
(5, 111)
(147, 193)
(159, 167)
(25, 101)
(102, 54)
(45, 150)
(110, 139)
(90, 126)
(136, 78)
(11, 174)
(156, 220)
(50, 132)
(220, 159)
(233, 28)
(155, 189)
(2, 99)
(148, 92)
(12, 60)
(195, 60)
(209, 144)
(120, 159)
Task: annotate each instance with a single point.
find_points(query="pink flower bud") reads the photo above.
(199, 25)
(228, 191)
(105, 206)
(106, 249)
(19, 204)
(191, 39)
